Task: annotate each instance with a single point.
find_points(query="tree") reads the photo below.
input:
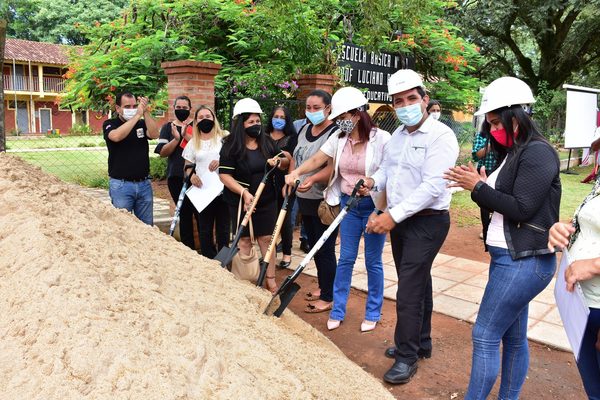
(58, 21)
(544, 42)
(2, 42)
(262, 45)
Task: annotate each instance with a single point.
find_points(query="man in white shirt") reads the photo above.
(418, 154)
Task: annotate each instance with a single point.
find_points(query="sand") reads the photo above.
(94, 304)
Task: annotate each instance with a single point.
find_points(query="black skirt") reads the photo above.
(263, 219)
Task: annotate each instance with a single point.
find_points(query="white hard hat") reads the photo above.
(505, 92)
(246, 105)
(404, 79)
(346, 99)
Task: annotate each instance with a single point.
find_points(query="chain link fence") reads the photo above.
(80, 155)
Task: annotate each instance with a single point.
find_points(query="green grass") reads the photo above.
(466, 212)
(24, 143)
(84, 167)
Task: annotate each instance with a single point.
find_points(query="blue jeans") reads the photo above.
(589, 356)
(503, 317)
(135, 197)
(351, 229)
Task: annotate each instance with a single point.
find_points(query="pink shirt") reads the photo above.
(352, 165)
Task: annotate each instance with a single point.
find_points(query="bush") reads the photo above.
(80, 130)
(158, 167)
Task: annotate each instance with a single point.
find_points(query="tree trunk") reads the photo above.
(2, 42)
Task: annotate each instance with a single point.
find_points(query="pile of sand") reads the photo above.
(95, 304)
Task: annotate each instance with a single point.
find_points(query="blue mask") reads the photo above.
(278, 123)
(410, 115)
(315, 117)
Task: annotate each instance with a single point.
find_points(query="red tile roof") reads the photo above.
(39, 52)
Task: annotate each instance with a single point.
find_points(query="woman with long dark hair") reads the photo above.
(281, 129)
(356, 151)
(242, 162)
(203, 150)
(310, 193)
(523, 194)
(173, 138)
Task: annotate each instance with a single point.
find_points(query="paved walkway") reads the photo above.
(458, 286)
(458, 283)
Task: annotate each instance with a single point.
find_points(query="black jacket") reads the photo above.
(527, 194)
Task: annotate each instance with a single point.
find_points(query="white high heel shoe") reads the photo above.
(367, 326)
(333, 324)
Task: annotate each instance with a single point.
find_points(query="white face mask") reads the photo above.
(129, 113)
(436, 115)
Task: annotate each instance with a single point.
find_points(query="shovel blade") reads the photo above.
(285, 298)
(262, 274)
(225, 256)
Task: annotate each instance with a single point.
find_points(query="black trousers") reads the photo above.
(214, 218)
(186, 214)
(325, 257)
(415, 243)
(287, 231)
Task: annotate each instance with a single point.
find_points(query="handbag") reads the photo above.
(326, 212)
(246, 266)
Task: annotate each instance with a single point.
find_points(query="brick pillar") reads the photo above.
(194, 79)
(309, 82)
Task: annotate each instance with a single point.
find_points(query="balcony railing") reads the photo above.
(26, 84)
(55, 85)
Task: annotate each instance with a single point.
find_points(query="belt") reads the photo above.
(133, 180)
(430, 211)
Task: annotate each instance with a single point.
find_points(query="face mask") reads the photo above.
(278, 123)
(205, 125)
(254, 131)
(346, 125)
(502, 138)
(129, 113)
(436, 115)
(410, 115)
(316, 117)
(182, 114)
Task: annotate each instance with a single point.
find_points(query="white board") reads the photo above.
(580, 125)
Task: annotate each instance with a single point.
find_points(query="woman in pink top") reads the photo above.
(356, 152)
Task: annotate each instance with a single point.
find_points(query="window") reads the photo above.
(52, 71)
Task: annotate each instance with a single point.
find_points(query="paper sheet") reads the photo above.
(202, 196)
(572, 307)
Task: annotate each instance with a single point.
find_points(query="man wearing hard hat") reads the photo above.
(418, 154)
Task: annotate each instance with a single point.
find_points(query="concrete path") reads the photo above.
(458, 283)
(458, 286)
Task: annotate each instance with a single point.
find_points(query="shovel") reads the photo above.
(186, 184)
(264, 262)
(286, 292)
(226, 254)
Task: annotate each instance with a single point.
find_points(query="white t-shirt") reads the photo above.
(495, 233)
(208, 152)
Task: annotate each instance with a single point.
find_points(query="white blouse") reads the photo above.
(587, 245)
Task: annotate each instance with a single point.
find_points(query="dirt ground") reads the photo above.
(552, 373)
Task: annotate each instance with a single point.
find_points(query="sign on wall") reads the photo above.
(370, 70)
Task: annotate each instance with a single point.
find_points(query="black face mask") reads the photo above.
(205, 125)
(254, 131)
(182, 114)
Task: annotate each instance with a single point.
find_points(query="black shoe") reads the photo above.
(424, 353)
(304, 246)
(390, 352)
(400, 373)
(284, 264)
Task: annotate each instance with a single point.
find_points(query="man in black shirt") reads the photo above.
(126, 138)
